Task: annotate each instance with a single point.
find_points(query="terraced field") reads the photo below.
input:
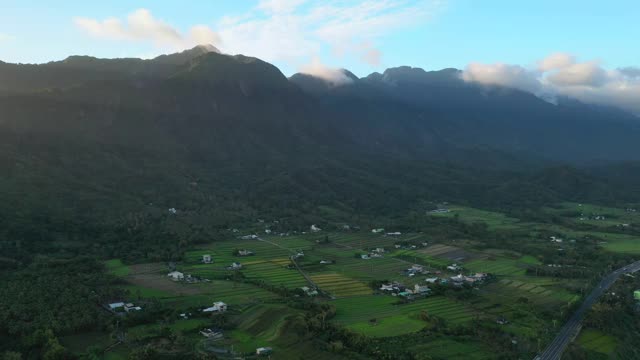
(340, 285)
(274, 272)
(268, 263)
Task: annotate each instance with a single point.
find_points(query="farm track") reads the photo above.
(295, 263)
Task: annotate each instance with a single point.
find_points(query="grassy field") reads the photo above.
(79, 343)
(584, 214)
(498, 266)
(116, 267)
(357, 312)
(544, 293)
(420, 257)
(142, 332)
(444, 348)
(494, 220)
(597, 341)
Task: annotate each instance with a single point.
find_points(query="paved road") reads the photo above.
(571, 329)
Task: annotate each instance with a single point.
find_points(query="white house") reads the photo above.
(211, 334)
(218, 306)
(431, 280)
(176, 276)
(325, 262)
(308, 291)
(206, 259)
(245, 252)
(364, 257)
(397, 233)
(314, 228)
(377, 231)
(130, 307)
(386, 287)
(453, 267)
(423, 290)
(116, 305)
(235, 266)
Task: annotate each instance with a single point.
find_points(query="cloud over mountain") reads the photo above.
(141, 25)
(562, 74)
(333, 76)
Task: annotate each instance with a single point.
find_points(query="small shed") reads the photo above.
(264, 351)
(176, 275)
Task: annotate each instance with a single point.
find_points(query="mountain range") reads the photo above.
(98, 139)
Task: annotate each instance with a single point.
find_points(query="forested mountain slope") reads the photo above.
(96, 151)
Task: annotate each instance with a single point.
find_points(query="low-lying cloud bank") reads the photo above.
(563, 74)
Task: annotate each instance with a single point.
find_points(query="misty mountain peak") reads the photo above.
(207, 48)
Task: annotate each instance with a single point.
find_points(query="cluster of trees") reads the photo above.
(50, 298)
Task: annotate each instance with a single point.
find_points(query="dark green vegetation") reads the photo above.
(113, 170)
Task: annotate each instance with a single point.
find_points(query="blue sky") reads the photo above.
(451, 33)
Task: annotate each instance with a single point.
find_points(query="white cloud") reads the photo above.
(581, 74)
(331, 75)
(279, 6)
(289, 31)
(141, 25)
(556, 61)
(562, 74)
(295, 31)
(514, 76)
